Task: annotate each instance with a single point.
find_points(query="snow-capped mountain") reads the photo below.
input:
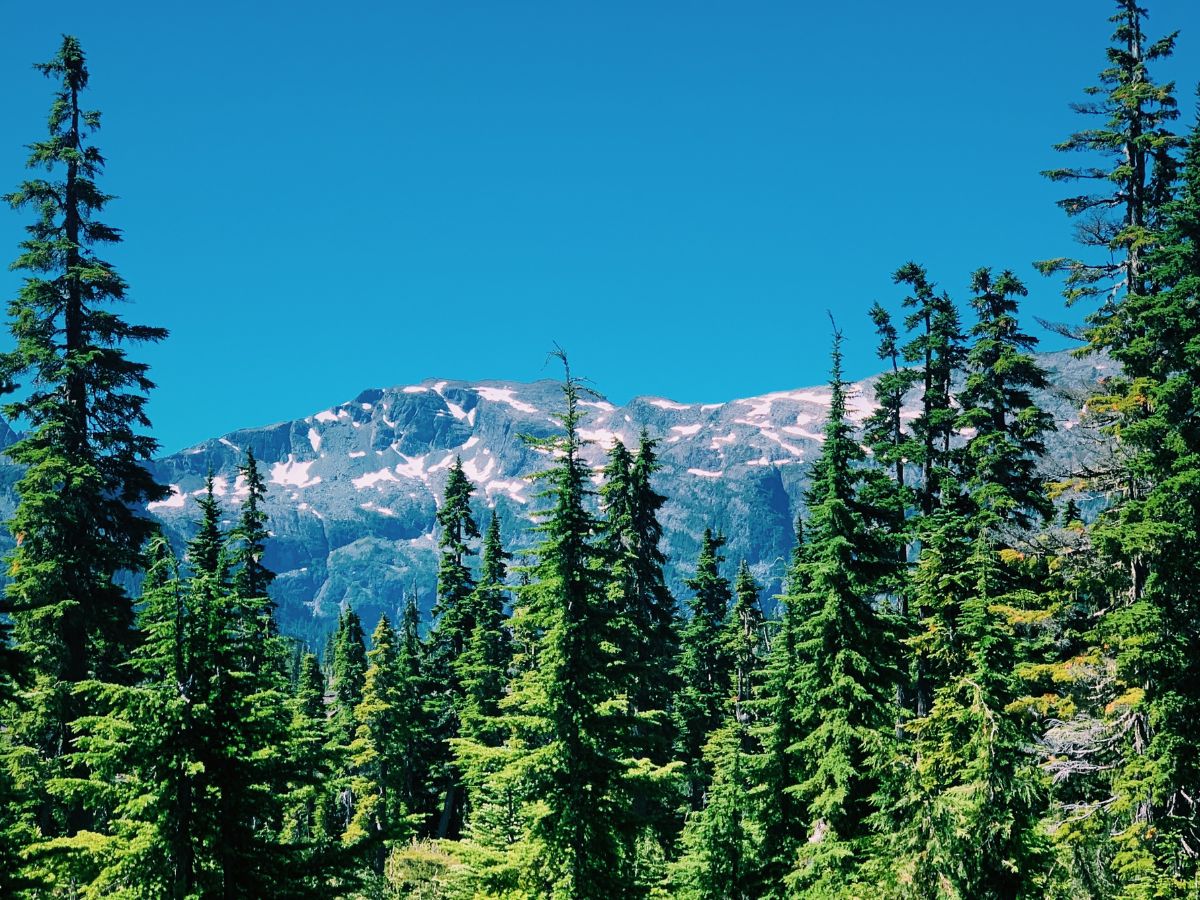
(354, 488)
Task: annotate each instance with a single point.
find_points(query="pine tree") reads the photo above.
(965, 822)
(380, 753)
(1135, 137)
(704, 666)
(779, 812)
(308, 817)
(252, 579)
(241, 687)
(348, 669)
(1119, 758)
(453, 624)
(141, 750)
(845, 664)
(720, 843)
(646, 636)
(483, 667)
(886, 489)
(574, 787)
(1142, 550)
(78, 522)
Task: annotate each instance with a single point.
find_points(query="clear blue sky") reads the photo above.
(323, 197)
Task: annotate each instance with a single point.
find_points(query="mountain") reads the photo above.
(354, 488)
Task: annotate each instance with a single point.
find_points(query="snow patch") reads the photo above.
(685, 430)
(603, 405)
(415, 389)
(601, 436)
(175, 500)
(667, 404)
(802, 432)
(373, 478)
(327, 416)
(314, 438)
(459, 413)
(357, 454)
(293, 473)
(705, 473)
(505, 395)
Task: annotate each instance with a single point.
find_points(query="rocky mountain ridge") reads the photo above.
(354, 488)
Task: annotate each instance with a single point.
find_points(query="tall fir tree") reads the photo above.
(1119, 759)
(453, 624)
(721, 843)
(483, 667)
(1128, 759)
(347, 671)
(965, 820)
(704, 666)
(1135, 140)
(780, 814)
(77, 523)
(845, 665)
(563, 711)
(380, 754)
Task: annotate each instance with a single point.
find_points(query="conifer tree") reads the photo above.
(645, 608)
(1118, 758)
(1128, 763)
(142, 748)
(721, 842)
(845, 664)
(252, 579)
(704, 666)
(348, 669)
(646, 636)
(78, 522)
(574, 786)
(453, 624)
(779, 812)
(483, 667)
(308, 818)
(1135, 138)
(381, 753)
(965, 822)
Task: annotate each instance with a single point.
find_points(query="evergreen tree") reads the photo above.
(1135, 138)
(574, 787)
(964, 824)
(704, 666)
(721, 843)
(638, 589)
(252, 578)
(1130, 760)
(381, 753)
(1119, 758)
(844, 674)
(482, 669)
(78, 522)
(309, 810)
(645, 632)
(348, 669)
(453, 624)
(780, 815)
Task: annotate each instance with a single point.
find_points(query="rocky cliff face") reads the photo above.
(353, 489)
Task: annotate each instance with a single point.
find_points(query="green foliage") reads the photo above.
(572, 788)
(453, 625)
(843, 667)
(704, 666)
(78, 522)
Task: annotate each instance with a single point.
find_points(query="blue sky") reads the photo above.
(323, 197)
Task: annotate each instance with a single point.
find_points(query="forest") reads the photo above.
(976, 683)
